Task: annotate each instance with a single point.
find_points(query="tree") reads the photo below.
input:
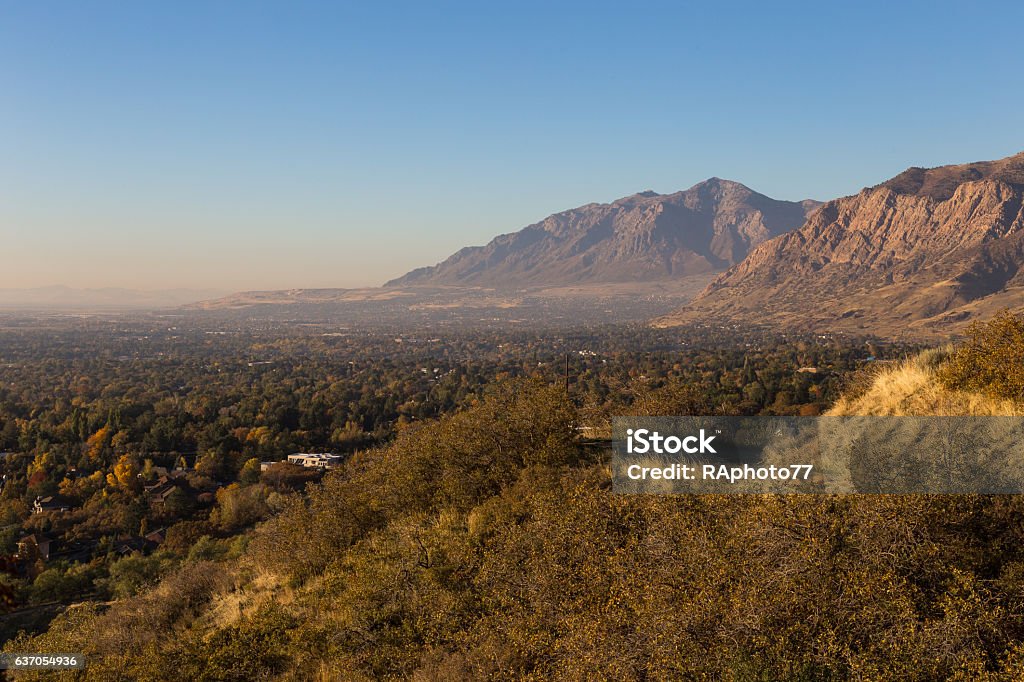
(250, 472)
(211, 464)
(125, 474)
(98, 444)
(239, 506)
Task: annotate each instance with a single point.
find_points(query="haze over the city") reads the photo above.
(258, 146)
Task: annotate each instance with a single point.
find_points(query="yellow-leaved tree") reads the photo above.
(98, 443)
(125, 474)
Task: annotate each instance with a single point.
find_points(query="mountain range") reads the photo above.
(928, 250)
(643, 237)
(922, 254)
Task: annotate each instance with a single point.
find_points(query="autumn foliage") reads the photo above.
(991, 360)
(488, 545)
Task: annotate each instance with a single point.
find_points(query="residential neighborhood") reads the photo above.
(66, 532)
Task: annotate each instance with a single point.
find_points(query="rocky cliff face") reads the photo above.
(643, 237)
(927, 251)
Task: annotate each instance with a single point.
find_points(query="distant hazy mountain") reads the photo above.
(643, 237)
(928, 250)
(62, 297)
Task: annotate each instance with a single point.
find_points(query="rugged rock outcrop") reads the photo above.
(925, 252)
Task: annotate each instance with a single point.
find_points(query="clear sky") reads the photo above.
(244, 145)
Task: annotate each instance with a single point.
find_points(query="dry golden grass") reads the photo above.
(237, 600)
(911, 388)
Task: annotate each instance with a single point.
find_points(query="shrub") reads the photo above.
(132, 574)
(455, 462)
(239, 506)
(61, 583)
(208, 549)
(181, 536)
(991, 360)
(256, 647)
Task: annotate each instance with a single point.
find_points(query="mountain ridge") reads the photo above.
(926, 251)
(645, 236)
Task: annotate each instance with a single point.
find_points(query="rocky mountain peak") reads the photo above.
(641, 237)
(928, 249)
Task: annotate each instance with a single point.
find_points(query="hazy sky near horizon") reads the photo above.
(244, 145)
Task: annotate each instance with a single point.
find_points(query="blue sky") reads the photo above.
(245, 145)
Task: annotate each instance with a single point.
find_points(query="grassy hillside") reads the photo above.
(983, 376)
(914, 387)
(488, 545)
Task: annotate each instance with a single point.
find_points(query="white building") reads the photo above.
(321, 460)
